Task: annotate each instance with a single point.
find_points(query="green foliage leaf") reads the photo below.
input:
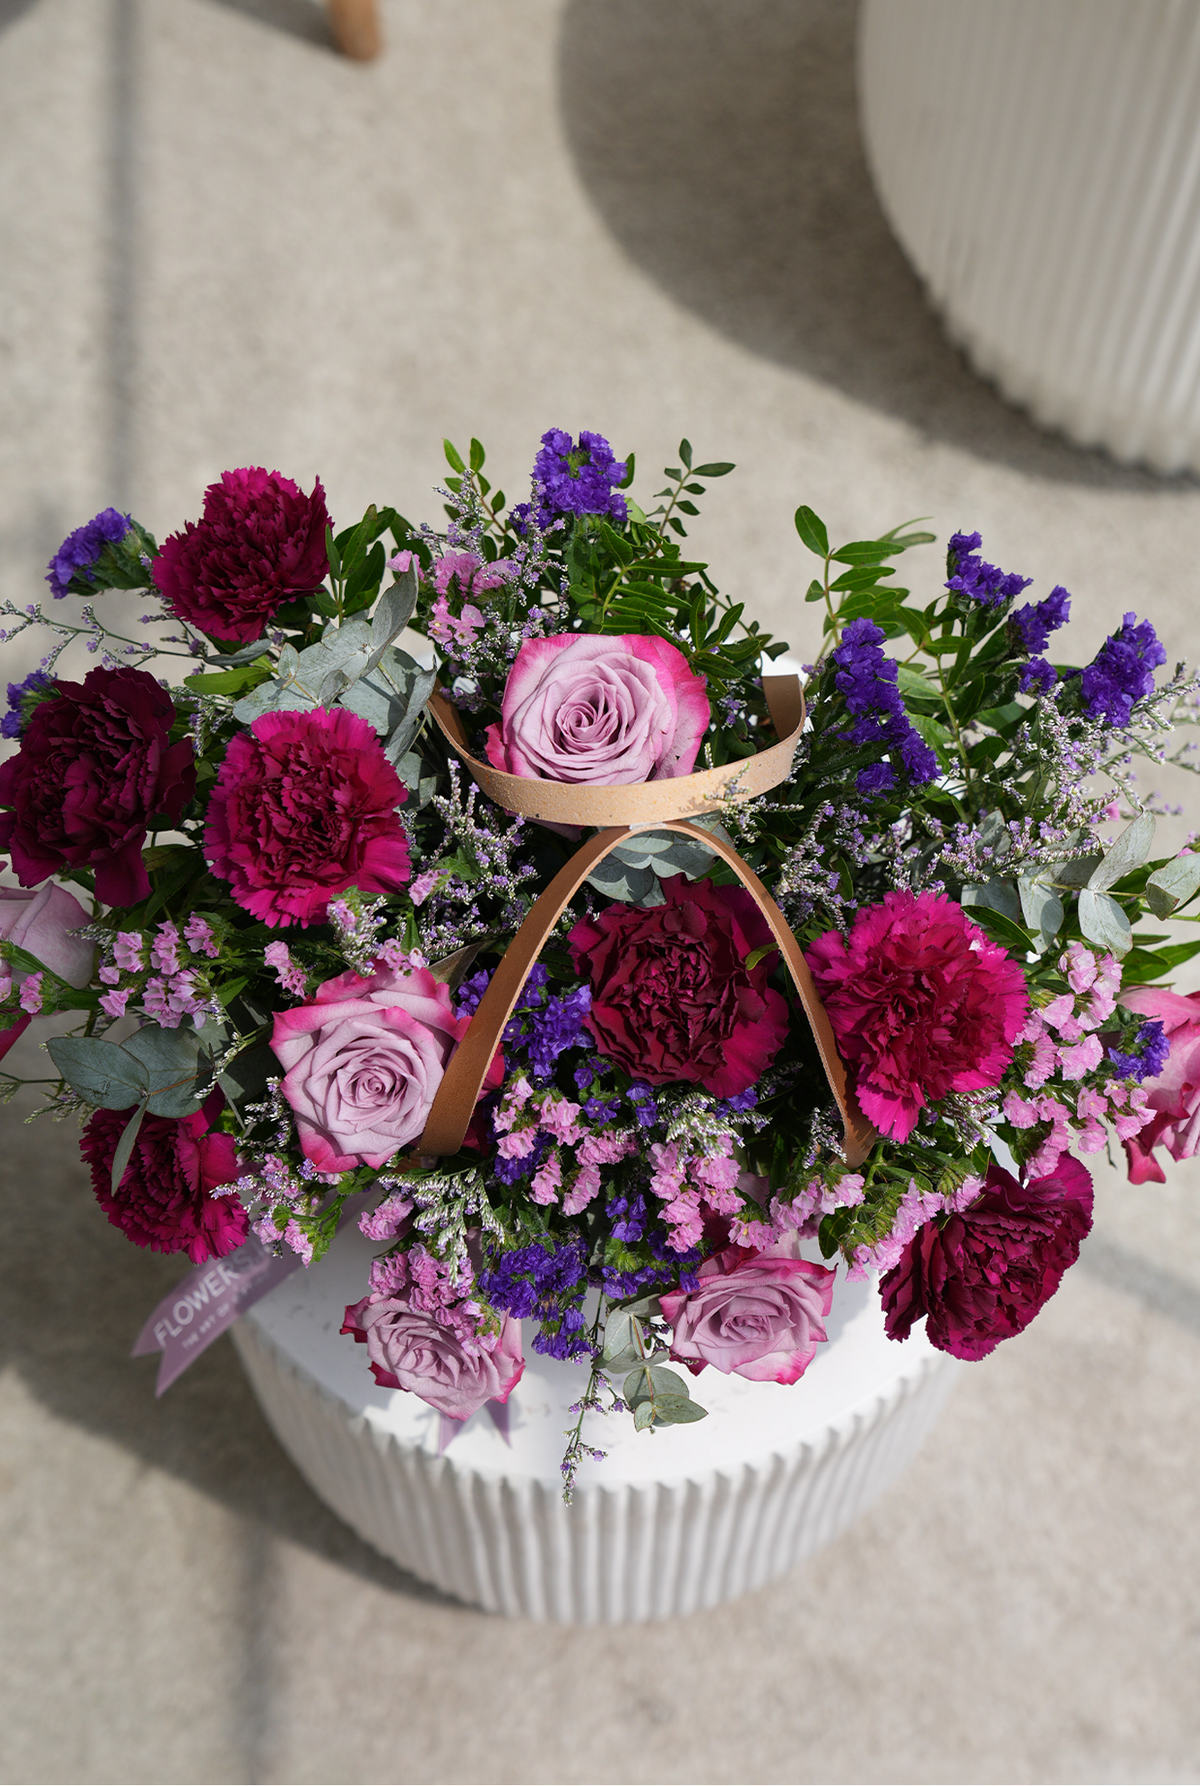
(1173, 886)
(231, 682)
(1103, 921)
(721, 468)
(1128, 852)
(675, 1410)
(454, 458)
(643, 1417)
(99, 1072)
(812, 531)
(129, 1135)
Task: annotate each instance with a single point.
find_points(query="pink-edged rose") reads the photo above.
(410, 1348)
(922, 1003)
(982, 1275)
(304, 807)
(1175, 1095)
(752, 1314)
(579, 707)
(672, 997)
(96, 765)
(363, 1063)
(259, 544)
(41, 923)
(164, 1198)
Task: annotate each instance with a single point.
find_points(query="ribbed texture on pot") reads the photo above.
(1039, 161)
(629, 1552)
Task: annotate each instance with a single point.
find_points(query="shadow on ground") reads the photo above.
(720, 146)
(75, 1294)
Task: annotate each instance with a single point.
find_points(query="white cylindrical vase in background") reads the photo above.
(1039, 161)
(667, 1522)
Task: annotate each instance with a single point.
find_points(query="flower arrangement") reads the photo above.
(488, 888)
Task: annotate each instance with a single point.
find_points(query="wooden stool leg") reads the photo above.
(355, 26)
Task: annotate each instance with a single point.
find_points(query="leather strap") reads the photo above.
(454, 1104)
(644, 802)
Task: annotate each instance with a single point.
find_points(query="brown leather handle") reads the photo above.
(452, 1108)
(643, 802)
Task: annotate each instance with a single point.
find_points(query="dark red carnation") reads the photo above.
(95, 766)
(982, 1276)
(304, 807)
(672, 997)
(259, 544)
(922, 1003)
(163, 1200)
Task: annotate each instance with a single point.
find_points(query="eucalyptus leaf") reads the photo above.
(392, 613)
(1041, 907)
(129, 1135)
(1103, 922)
(998, 896)
(244, 1078)
(618, 1335)
(666, 1382)
(1173, 885)
(643, 1417)
(633, 886)
(100, 1072)
(1075, 873)
(675, 1410)
(451, 969)
(172, 1061)
(1127, 853)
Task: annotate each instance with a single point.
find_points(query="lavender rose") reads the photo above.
(755, 1314)
(1174, 1095)
(982, 1275)
(41, 923)
(363, 1063)
(582, 708)
(410, 1348)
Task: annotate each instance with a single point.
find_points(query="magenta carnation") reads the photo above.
(982, 1275)
(164, 1198)
(259, 544)
(922, 1003)
(579, 707)
(672, 997)
(304, 807)
(96, 765)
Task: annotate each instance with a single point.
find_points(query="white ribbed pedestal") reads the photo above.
(1039, 161)
(667, 1522)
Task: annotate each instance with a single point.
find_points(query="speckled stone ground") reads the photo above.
(220, 244)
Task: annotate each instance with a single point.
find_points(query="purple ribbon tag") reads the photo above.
(207, 1301)
(450, 1429)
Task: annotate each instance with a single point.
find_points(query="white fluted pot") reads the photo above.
(1039, 161)
(666, 1523)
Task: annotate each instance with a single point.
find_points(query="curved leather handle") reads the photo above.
(643, 802)
(454, 1104)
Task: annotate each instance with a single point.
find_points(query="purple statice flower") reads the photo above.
(740, 1101)
(866, 680)
(598, 1110)
(628, 1214)
(1151, 1057)
(556, 1029)
(1122, 672)
(1031, 626)
(641, 1096)
(77, 555)
(467, 999)
(968, 575)
(23, 697)
(546, 1282)
(575, 480)
(1037, 674)
(584, 1074)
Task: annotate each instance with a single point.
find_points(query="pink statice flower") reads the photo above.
(199, 936)
(290, 975)
(922, 1003)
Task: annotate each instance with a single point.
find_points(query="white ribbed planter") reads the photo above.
(1039, 161)
(666, 1523)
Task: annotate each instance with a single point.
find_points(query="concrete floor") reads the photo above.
(222, 245)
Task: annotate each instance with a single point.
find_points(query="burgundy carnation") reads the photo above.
(259, 544)
(922, 1003)
(163, 1200)
(982, 1276)
(95, 766)
(304, 807)
(672, 997)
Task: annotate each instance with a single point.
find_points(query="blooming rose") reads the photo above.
(982, 1275)
(163, 1200)
(95, 766)
(755, 1314)
(410, 1348)
(582, 708)
(363, 1063)
(41, 923)
(259, 545)
(1175, 1095)
(672, 997)
(922, 1003)
(304, 807)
